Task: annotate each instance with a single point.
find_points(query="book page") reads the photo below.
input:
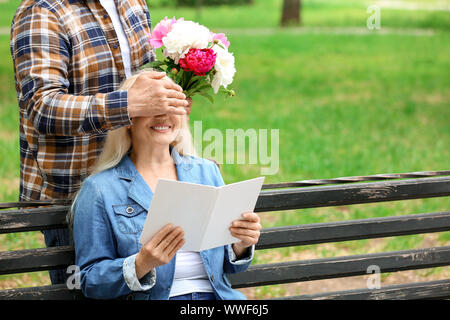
(183, 204)
(232, 200)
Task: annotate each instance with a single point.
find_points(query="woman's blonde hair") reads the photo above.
(118, 144)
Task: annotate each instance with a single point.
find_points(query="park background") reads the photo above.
(347, 100)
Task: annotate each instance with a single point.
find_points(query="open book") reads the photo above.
(203, 212)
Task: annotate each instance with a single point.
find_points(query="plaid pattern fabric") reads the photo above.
(68, 68)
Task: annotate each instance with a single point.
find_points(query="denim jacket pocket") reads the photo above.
(126, 216)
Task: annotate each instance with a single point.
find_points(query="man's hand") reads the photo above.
(153, 93)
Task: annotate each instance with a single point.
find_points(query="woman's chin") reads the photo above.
(161, 137)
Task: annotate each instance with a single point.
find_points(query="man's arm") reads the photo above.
(41, 52)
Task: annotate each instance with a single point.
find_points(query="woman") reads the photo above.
(110, 211)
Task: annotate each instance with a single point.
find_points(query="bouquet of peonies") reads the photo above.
(195, 58)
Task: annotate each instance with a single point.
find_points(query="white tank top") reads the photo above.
(190, 274)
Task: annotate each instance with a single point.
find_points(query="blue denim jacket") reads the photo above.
(109, 215)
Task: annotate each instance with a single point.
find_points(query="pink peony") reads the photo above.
(222, 37)
(161, 30)
(199, 61)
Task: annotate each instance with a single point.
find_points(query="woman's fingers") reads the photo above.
(169, 238)
(245, 232)
(160, 235)
(176, 247)
(247, 241)
(173, 242)
(243, 224)
(247, 238)
(250, 216)
(247, 229)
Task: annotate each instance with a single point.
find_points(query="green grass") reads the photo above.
(9, 127)
(267, 13)
(315, 13)
(362, 105)
(344, 105)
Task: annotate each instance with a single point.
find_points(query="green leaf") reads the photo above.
(155, 64)
(207, 96)
(199, 86)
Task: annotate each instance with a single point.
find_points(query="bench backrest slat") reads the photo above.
(36, 259)
(25, 220)
(411, 291)
(353, 230)
(339, 195)
(52, 292)
(316, 269)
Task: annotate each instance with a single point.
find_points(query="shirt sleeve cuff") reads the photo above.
(243, 260)
(117, 109)
(129, 274)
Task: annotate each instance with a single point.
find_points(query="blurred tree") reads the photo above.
(291, 13)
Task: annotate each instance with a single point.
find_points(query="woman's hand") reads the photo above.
(159, 250)
(247, 230)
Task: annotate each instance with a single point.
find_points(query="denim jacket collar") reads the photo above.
(139, 190)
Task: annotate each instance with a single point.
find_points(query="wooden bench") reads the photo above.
(297, 195)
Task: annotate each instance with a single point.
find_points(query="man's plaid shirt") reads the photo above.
(68, 69)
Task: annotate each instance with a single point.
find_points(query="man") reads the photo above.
(69, 58)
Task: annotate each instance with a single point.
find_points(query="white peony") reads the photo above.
(183, 36)
(224, 67)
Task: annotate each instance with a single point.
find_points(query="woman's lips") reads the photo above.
(161, 128)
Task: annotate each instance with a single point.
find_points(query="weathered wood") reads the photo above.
(354, 179)
(411, 291)
(312, 197)
(353, 230)
(54, 292)
(36, 259)
(24, 220)
(317, 269)
(39, 259)
(421, 290)
(35, 203)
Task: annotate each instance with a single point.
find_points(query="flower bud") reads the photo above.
(174, 71)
